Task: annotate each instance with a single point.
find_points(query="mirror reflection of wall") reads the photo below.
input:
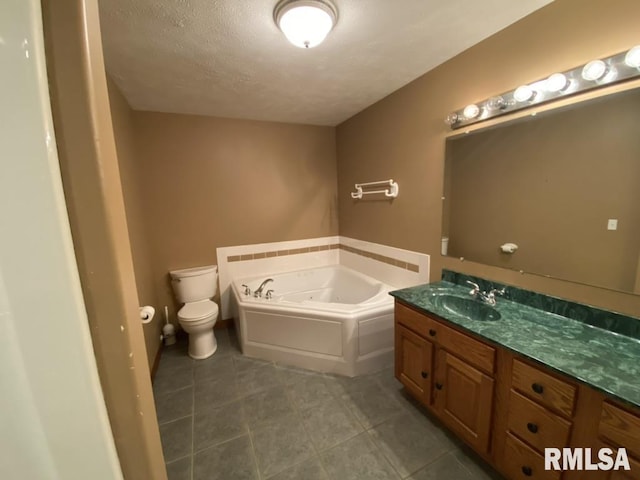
(550, 184)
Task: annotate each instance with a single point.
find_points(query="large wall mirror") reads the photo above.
(563, 185)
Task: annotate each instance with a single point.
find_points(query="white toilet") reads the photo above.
(195, 287)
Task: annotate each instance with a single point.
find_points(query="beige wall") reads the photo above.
(402, 136)
(93, 193)
(549, 184)
(213, 182)
(121, 116)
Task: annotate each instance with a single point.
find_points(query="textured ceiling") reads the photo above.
(227, 58)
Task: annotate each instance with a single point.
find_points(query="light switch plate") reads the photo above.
(612, 224)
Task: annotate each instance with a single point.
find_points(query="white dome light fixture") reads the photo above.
(305, 23)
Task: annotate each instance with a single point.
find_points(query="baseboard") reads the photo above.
(156, 361)
(220, 324)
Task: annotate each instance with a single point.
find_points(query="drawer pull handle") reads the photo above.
(532, 427)
(439, 386)
(536, 387)
(424, 374)
(527, 471)
(432, 332)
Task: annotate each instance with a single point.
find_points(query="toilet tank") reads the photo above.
(195, 284)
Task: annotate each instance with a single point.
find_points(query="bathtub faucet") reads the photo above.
(258, 292)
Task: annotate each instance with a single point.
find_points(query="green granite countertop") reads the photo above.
(604, 360)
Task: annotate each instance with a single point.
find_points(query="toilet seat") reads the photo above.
(197, 311)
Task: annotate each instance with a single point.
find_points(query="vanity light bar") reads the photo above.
(594, 74)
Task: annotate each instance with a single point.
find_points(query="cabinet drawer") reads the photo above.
(634, 465)
(632, 474)
(549, 391)
(419, 323)
(473, 351)
(620, 427)
(521, 462)
(536, 425)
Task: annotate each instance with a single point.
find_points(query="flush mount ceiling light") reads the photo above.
(305, 23)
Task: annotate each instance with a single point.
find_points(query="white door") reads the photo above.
(53, 421)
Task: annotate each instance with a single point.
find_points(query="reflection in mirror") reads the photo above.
(563, 186)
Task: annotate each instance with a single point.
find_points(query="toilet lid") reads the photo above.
(198, 310)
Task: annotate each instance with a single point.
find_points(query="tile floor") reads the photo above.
(230, 417)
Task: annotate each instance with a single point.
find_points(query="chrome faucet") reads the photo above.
(488, 298)
(258, 292)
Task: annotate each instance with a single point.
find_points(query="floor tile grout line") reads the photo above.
(217, 444)
(431, 462)
(296, 411)
(177, 459)
(166, 422)
(255, 455)
(343, 403)
(381, 452)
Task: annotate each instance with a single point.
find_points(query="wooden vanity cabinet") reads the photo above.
(448, 371)
(505, 407)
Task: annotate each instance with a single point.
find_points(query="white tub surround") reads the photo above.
(271, 258)
(328, 319)
(392, 266)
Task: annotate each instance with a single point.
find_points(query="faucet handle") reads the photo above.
(495, 291)
(269, 294)
(476, 287)
(247, 290)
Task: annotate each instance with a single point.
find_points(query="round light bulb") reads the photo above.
(452, 119)
(305, 23)
(557, 82)
(632, 58)
(594, 70)
(496, 103)
(524, 93)
(471, 111)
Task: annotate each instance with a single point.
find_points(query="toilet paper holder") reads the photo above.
(146, 313)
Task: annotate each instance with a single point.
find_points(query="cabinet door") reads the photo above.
(414, 359)
(633, 474)
(464, 399)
